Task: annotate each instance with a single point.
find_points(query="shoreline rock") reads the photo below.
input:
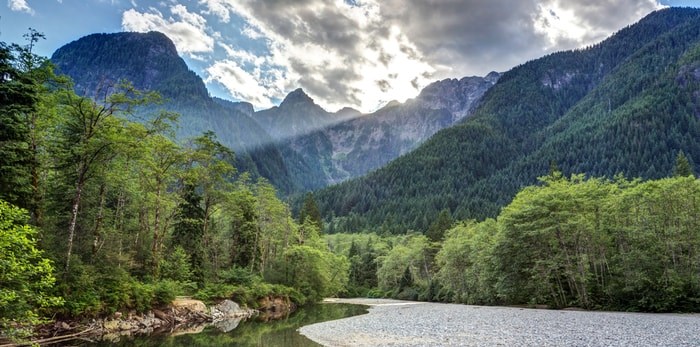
(182, 316)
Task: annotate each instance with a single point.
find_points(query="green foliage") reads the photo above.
(316, 273)
(682, 167)
(26, 277)
(436, 231)
(408, 265)
(466, 263)
(591, 243)
(188, 232)
(177, 265)
(244, 228)
(92, 291)
(310, 211)
(18, 97)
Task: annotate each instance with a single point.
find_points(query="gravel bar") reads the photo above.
(406, 323)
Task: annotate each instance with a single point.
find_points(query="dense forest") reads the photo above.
(627, 104)
(593, 243)
(99, 213)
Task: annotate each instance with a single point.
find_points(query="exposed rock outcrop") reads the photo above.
(275, 307)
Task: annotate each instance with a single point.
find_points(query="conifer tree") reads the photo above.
(682, 167)
(310, 211)
(17, 97)
(188, 232)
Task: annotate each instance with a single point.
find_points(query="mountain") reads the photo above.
(297, 145)
(628, 104)
(347, 144)
(150, 62)
(297, 115)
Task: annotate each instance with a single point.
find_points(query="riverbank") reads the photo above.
(182, 316)
(406, 323)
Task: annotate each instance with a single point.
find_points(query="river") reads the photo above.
(282, 332)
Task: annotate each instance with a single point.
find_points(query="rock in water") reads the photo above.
(226, 309)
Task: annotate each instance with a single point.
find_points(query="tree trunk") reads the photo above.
(73, 222)
(156, 232)
(98, 222)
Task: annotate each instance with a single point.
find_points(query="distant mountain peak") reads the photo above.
(392, 103)
(295, 97)
(493, 76)
(148, 60)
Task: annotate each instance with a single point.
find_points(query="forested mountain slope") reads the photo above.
(297, 145)
(627, 104)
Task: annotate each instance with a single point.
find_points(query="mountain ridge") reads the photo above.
(582, 109)
(295, 144)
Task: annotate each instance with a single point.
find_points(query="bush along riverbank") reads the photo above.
(183, 315)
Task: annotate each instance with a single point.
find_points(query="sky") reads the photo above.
(356, 53)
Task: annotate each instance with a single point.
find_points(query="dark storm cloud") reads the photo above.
(476, 36)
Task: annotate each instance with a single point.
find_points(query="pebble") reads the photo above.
(401, 323)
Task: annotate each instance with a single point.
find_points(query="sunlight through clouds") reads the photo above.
(365, 53)
(566, 24)
(341, 54)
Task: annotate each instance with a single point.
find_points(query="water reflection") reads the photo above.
(254, 332)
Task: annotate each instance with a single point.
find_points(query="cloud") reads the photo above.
(465, 37)
(187, 30)
(567, 24)
(336, 51)
(363, 53)
(240, 83)
(20, 6)
(219, 8)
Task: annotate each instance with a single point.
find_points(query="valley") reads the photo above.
(566, 182)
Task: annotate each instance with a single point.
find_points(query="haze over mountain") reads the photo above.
(626, 105)
(297, 145)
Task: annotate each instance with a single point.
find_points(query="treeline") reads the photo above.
(99, 213)
(585, 242)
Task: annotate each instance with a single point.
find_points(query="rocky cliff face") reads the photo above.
(459, 97)
(351, 144)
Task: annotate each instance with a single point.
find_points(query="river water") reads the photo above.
(282, 332)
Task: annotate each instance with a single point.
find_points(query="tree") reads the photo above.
(316, 273)
(244, 228)
(276, 230)
(466, 262)
(188, 231)
(436, 231)
(26, 277)
(18, 96)
(210, 169)
(28, 86)
(310, 211)
(682, 167)
(90, 138)
(160, 163)
(553, 248)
